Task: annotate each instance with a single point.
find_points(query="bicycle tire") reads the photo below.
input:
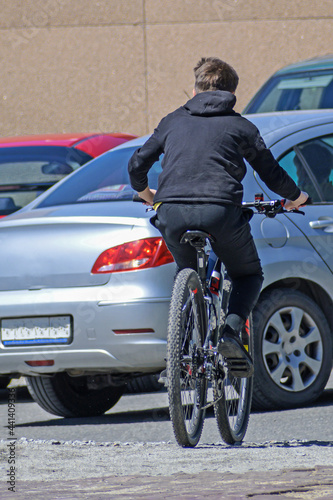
(186, 330)
(233, 397)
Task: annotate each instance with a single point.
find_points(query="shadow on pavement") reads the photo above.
(123, 417)
(22, 396)
(135, 416)
(325, 399)
(128, 417)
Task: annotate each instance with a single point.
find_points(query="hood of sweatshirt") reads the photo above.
(211, 103)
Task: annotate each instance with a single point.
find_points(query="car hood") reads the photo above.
(57, 247)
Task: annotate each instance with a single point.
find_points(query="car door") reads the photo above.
(307, 156)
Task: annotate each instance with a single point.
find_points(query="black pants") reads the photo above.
(234, 246)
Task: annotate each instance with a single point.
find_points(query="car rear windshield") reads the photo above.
(103, 179)
(310, 90)
(26, 172)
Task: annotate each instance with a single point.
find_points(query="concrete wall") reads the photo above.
(120, 65)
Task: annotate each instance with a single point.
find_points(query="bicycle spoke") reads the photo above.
(233, 403)
(187, 392)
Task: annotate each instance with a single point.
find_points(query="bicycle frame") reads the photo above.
(216, 288)
(214, 294)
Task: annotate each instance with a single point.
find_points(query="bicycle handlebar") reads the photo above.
(268, 208)
(136, 197)
(271, 208)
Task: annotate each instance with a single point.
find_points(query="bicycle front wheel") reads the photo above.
(187, 387)
(233, 398)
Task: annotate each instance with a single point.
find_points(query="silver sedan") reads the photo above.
(86, 279)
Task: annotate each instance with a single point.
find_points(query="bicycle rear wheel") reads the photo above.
(234, 396)
(187, 388)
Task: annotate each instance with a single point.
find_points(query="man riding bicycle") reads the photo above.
(204, 144)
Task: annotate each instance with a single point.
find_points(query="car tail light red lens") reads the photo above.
(42, 362)
(139, 254)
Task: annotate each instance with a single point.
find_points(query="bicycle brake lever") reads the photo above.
(308, 202)
(294, 211)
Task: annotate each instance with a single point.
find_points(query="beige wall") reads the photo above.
(120, 65)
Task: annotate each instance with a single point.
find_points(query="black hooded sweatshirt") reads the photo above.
(204, 144)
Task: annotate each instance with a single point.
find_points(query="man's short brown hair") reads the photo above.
(211, 73)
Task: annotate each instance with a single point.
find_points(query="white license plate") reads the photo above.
(36, 330)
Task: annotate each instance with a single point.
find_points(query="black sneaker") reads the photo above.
(239, 361)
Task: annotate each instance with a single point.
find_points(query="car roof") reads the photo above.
(134, 142)
(316, 63)
(276, 125)
(292, 120)
(66, 140)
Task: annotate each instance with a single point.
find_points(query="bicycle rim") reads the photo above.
(186, 387)
(233, 397)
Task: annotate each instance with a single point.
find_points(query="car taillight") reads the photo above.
(139, 254)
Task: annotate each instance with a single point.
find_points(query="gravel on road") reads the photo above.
(54, 460)
(125, 471)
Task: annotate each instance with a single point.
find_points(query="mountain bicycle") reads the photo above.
(198, 309)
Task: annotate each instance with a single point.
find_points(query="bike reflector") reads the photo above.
(139, 254)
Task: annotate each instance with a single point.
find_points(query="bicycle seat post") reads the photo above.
(198, 239)
(201, 265)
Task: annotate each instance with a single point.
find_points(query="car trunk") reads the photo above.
(36, 254)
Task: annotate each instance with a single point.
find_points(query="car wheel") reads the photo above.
(67, 396)
(144, 383)
(4, 381)
(292, 350)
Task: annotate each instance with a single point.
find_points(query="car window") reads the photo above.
(26, 172)
(311, 90)
(318, 154)
(103, 179)
(294, 166)
(310, 164)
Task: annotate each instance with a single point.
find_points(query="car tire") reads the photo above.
(144, 383)
(67, 396)
(4, 381)
(292, 350)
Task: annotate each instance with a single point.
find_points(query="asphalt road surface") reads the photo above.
(145, 418)
(134, 440)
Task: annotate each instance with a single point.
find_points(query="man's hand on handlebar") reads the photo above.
(148, 196)
(271, 208)
(301, 200)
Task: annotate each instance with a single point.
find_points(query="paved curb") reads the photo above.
(305, 484)
(61, 470)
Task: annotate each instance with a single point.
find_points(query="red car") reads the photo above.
(29, 165)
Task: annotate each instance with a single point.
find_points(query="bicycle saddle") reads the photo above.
(196, 238)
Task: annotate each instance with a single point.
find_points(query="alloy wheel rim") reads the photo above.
(292, 349)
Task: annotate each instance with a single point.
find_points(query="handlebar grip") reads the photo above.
(308, 202)
(136, 197)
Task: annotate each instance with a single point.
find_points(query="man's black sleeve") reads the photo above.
(142, 160)
(268, 169)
